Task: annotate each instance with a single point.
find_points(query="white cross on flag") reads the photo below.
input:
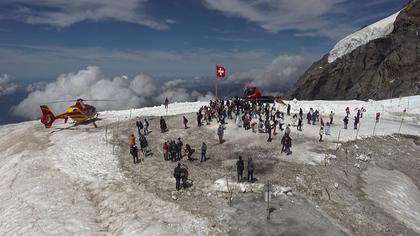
(220, 72)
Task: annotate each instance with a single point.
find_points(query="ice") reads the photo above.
(379, 29)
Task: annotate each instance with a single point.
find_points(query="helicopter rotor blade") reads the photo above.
(83, 100)
(99, 100)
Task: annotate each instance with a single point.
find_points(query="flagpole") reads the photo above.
(217, 81)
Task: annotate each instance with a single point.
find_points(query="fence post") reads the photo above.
(399, 130)
(358, 128)
(268, 200)
(106, 135)
(383, 109)
(374, 128)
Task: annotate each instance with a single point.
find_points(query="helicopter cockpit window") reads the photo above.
(249, 91)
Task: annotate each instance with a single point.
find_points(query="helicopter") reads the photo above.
(80, 113)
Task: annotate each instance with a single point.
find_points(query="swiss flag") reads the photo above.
(220, 71)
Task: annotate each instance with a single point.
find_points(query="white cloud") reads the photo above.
(276, 15)
(309, 17)
(282, 72)
(48, 61)
(6, 85)
(63, 13)
(90, 83)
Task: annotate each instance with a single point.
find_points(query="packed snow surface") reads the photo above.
(377, 30)
(69, 182)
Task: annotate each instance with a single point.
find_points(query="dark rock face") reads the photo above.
(383, 68)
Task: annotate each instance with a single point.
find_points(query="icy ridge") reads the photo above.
(377, 30)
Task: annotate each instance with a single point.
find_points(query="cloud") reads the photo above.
(278, 15)
(64, 13)
(282, 73)
(6, 85)
(48, 61)
(327, 18)
(91, 83)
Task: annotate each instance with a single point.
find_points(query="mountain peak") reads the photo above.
(379, 61)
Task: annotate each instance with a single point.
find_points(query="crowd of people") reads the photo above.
(257, 117)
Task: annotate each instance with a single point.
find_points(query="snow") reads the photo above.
(69, 182)
(396, 192)
(377, 30)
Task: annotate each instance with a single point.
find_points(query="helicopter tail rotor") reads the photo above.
(47, 117)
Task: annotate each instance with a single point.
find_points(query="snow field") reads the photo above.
(377, 30)
(69, 182)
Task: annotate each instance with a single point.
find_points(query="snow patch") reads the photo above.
(396, 192)
(221, 185)
(377, 30)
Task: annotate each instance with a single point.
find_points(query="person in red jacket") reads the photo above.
(165, 151)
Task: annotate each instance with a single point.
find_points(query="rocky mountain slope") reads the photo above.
(379, 61)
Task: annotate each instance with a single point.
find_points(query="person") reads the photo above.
(185, 121)
(166, 103)
(134, 151)
(378, 115)
(309, 117)
(240, 168)
(189, 151)
(177, 175)
(238, 122)
(220, 132)
(184, 175)
(131, 140)
(143, 145)
(254, 127)
(361, 112)
(347, 111)
(268, 128)
(356, 121)
(165, 151)
(163, 127)
(139, 125)
(146, 127)
(203, 152)
(299, 126)
(179, 145)
(283, 143)
(321, 132)
(328, 129)
(314, 117)
(274, 126)
(287, 131)
(173, 150)
(199, 119)
(294, 120)
(331, 117)
(346, 122)
(288, 109)
(250, 169)
(281, 122)
(301, 113)
(288, 144)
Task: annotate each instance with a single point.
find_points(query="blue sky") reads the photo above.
(44, 38)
